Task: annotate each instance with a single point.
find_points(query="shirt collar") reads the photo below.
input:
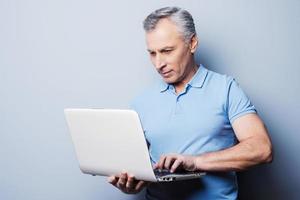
(199, 78)
(163, 86)
(197, 81)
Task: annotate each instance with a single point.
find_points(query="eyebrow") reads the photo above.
(164, 48)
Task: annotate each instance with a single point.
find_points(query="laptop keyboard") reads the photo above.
(162, 172)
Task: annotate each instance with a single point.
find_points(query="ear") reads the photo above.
(194, 44)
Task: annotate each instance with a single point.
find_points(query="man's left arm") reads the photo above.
(254, 147)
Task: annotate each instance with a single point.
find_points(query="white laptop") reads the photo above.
(109, 141)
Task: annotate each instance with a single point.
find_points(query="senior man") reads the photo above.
(194, 119)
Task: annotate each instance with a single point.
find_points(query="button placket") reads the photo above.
(178, 108)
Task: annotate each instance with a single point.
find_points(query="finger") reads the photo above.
(130, 182)
(122, 180)
(176, 164)
(139, 186)
(112, 180)
(168, 161)
(161, 162)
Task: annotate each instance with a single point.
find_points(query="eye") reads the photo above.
(152, 53)
(166, 51)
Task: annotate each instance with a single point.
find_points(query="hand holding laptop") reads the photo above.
(127, 183)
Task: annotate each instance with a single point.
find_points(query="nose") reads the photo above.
(159, 62)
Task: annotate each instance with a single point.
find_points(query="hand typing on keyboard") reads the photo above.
(176, 162)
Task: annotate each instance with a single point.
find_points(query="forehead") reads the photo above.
(166, 33)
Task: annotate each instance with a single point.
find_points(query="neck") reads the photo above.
(190, 72)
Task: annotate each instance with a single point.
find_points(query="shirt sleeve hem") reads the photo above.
(234, 117)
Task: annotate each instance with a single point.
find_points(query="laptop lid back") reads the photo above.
(109, 141)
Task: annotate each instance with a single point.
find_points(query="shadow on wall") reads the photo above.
(257, 183)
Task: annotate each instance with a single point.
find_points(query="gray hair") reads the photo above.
(182, 18)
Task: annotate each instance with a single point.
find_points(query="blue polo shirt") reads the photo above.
(195, 121)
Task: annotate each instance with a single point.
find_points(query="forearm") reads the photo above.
(237, 158)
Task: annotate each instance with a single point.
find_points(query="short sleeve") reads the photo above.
(238, 103)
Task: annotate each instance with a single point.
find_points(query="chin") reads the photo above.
(169, 80)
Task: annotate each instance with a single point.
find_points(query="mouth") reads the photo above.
(166, 74)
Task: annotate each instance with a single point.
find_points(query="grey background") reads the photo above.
(62, 53)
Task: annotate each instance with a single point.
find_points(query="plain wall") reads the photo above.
(62, 53)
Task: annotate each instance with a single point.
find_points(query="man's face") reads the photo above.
(169, 53)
